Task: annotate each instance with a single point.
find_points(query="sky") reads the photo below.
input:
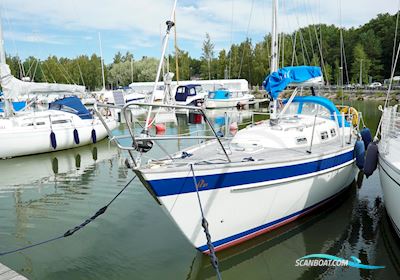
(69, 28)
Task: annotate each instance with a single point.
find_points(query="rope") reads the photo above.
(204, 224)
(73, 230)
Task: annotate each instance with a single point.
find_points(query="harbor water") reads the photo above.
(44, 195)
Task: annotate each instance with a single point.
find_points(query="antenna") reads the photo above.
(169, 24)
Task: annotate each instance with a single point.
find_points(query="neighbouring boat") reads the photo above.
(192, 95)
(66, 124)
(389, 163)
(224, 98)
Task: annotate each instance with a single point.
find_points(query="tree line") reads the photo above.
(345, 56)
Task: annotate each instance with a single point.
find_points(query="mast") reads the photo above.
(102, 65)
(274, 51)
(169, 24)
(176, 54)
(2, 52)
(8, 107)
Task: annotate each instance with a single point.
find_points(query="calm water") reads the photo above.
(43, 196)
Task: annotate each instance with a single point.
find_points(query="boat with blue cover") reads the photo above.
(66, 124)
(268, 174)
(192, 95)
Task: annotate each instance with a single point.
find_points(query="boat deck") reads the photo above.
(212, 151)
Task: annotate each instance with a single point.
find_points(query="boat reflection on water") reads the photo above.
(218, 117)
(32, 171)
(352, 226)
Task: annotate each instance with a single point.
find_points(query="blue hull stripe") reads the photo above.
(270, 224)
(173, 186)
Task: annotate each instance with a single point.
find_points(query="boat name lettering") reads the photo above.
(202, 184)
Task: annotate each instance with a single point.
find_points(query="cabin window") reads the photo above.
(324, 135)
(180, 90)
(293, 109)
(59, 121)
(333, 132)
(192, 91)
(301, 140)
(40, 123)
(312, 109)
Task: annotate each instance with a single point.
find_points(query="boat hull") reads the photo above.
(22, 141)
(240, 203)
(390, 182)
(226, 103)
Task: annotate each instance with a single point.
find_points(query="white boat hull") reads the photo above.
(226, 103)
(390, 182)
(240, 211)
(22, 141)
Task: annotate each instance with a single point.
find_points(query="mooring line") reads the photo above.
(73, 230)
(204, 224)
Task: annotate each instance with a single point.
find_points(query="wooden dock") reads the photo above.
(7, 273)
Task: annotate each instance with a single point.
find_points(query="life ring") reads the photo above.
(352, 111)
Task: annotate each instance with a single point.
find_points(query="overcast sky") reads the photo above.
(70, 27)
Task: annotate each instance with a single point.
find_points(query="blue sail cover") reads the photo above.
(72, 105)
(279, 80)
(17, 105)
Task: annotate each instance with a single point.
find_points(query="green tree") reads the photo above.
(360, 60)
(207, 56)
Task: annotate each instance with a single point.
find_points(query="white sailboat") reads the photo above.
(385, 152)
(270, 173)
(389, 163)
(66, 124)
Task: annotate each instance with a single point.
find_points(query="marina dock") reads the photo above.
(7, 273)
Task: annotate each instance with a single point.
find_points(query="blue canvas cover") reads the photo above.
(279, 80)
(325, 102)
(72, 105)
(18, 105)
(219, 94)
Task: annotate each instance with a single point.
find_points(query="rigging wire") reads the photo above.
(247, 36)
(395, 35)
(309, 15)
(48, 70)
(80, 73)
(41, 69)
(294, 55)
(345, 64)
(34, 72)
(61, 70)
(230, 53)
(11, 27)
